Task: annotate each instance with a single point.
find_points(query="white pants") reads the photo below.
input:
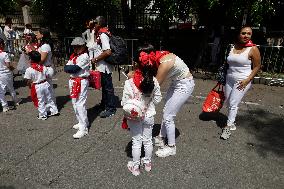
(141, 132)
(177, 95)
(233, 98)
(79, 104)
(6, 84)
(91, 53)
(45, 99)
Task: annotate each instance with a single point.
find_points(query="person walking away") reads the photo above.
(244, 63)
(102, 51)
(78, 67)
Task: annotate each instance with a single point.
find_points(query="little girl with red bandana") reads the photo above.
(147, 85)
(37, 75)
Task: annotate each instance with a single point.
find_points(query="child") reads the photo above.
(31, 44)
(6, 78)
(141, 131)
(78, 67)
(37, 76)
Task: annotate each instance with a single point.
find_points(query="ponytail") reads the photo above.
(147, 84)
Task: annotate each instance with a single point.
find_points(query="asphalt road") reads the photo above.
(43, 154)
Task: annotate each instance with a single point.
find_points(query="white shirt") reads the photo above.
(155, 98)
(46, 48)
(37, 76)
(8, 32)
(102, 65)
(90, 40)
(83, 61)
(4, 60)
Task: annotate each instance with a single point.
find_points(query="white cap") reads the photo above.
(78, 41)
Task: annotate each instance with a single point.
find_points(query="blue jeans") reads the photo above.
(108, 98)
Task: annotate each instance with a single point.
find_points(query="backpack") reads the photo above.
(135, 109)
(119, 55)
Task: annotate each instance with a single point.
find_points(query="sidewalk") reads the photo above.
(42, 154)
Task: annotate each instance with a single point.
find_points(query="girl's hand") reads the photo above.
(242, 84)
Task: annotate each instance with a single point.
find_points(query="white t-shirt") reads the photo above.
(37, 76)
(83, 61)
(46, 48)
(102, 65)
(8, 32)
(4, 60)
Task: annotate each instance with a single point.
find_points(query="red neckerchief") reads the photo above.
(102, 30)
(159, 55)
(37, 67)
(29, 48)
(74, 56)
(248, 44)
(137, 78)
(34, 95)
(76, 87)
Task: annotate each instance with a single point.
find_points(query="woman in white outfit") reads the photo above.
(89, 37)
(244, 63)
(170, 67)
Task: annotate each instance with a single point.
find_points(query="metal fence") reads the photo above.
(272, 57)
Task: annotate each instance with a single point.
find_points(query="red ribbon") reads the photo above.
(152, 59)
(76, 87)
(37, 67)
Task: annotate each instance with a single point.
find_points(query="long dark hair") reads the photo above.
(46, 38)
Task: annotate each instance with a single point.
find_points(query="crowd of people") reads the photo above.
(152, 69)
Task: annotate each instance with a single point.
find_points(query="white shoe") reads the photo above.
(225, 133)
(54, 114)
(159, 141)
(80, 134)
(133, 168)
(6, 109)
(166, 151)
(233, 127)
(18, 102)
(146, 164)
(42, 117)
(76, 126)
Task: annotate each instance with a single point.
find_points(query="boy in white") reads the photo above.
(6, 78)
(141, 131)
(78, 67)
(37, 76)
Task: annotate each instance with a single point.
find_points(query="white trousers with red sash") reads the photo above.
(45, 99)
(79, 104)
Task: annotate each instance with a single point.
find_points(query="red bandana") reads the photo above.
(37, 67)
(248, 44)
(74, 56)
(102, 30)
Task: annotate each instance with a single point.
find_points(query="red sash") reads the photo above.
(34, 95)
(76, 87)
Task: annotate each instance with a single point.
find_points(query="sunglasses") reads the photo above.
(244, 33)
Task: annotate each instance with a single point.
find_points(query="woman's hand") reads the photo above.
(243, 83)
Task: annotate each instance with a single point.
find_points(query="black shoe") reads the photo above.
(107, 113)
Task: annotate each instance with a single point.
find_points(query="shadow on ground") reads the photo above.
(219, 118)
(61, 101)
(268, 129)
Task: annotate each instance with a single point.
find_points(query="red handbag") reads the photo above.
(214, 100)
(95, 79)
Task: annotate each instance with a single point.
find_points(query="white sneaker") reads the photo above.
(80, 134)
(6, 109)
(42, 117)
(18, 102)
(76, 126)
(146, 164)
(166, 151)
(159, 141)
(233, 127)
(133, 168)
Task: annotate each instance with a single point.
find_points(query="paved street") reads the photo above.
(42, 154)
